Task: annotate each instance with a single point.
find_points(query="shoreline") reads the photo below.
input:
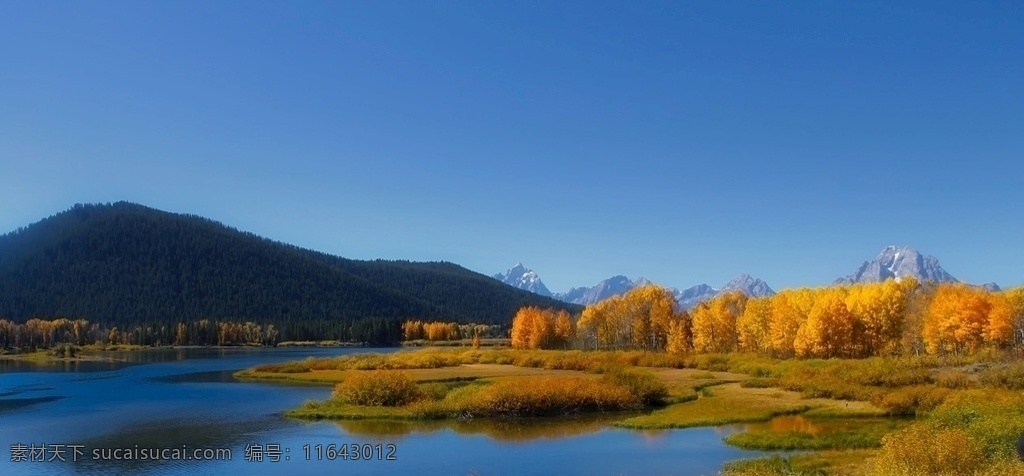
(838, 415)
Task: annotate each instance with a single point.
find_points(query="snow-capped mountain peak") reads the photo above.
(523, 278)
(687, 298)
(748, 285)
(898, 262)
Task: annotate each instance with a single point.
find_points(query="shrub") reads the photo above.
(644, 385)
(1010, 377)
(923, 450)
(711, 362)
(760, 383)
(435, 390)
(64, 351)
(954, 380)
(384, 388)
(548, 396)
(910, 401)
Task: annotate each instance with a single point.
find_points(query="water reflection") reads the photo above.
(497, 429)
(11, 404)
(166, 398)
(212, 376)
(99, 365)
(176, 433)
(802, 424)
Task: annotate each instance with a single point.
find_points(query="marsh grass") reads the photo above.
(866, 434)
(395, 394)
(728, 404)
(819, 463)
(969, 410)
(760, 382)
(1010, 377)
(973, 432)
(771, 466)
(596, 362)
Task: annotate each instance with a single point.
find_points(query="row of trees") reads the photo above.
(894, 317)
(536, 328)
(47, 333)
(644, 318)
(862, 320)
(42, 333)
(446, 331)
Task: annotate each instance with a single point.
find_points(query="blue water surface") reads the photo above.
(186, 398)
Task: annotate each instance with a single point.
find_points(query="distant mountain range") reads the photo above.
(615, 285)
(894, 262)
(524, 278)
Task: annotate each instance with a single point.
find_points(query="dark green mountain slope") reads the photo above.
(125, 263)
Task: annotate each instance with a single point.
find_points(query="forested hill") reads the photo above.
(124, 263)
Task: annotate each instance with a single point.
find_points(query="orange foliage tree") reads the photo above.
(714, 323)
(641, 318)
(959, 320)
(536, 328)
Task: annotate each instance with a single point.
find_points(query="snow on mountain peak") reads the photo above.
(898, 262)
(521, 277)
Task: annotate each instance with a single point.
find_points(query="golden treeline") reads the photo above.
(445, 331)
(535, 328)
(861, 320)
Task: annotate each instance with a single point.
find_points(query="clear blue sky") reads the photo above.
(685, 142)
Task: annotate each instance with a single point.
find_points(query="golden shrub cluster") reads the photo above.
(381, 388)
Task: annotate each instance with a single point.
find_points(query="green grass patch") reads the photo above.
(729, 404)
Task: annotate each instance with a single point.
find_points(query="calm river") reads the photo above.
(179, 399)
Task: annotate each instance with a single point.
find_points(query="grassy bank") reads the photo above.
(972, 407)
(60, 353)
(388, 394)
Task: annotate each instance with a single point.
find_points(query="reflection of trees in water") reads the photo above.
(173, 433)
(811, 426)
(506, 430)
(11, 404)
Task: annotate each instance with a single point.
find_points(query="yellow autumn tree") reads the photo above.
(639, 319)
(879, 310)
(714, 323)
(536, 328)
(829, 329)
(789, 312)
(679, 339)
(565, 329)
(542, 331)
(754, 326)
(1016, 299)
(956, 320)
(650, 309)
(1000, 327)
(522, 327)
